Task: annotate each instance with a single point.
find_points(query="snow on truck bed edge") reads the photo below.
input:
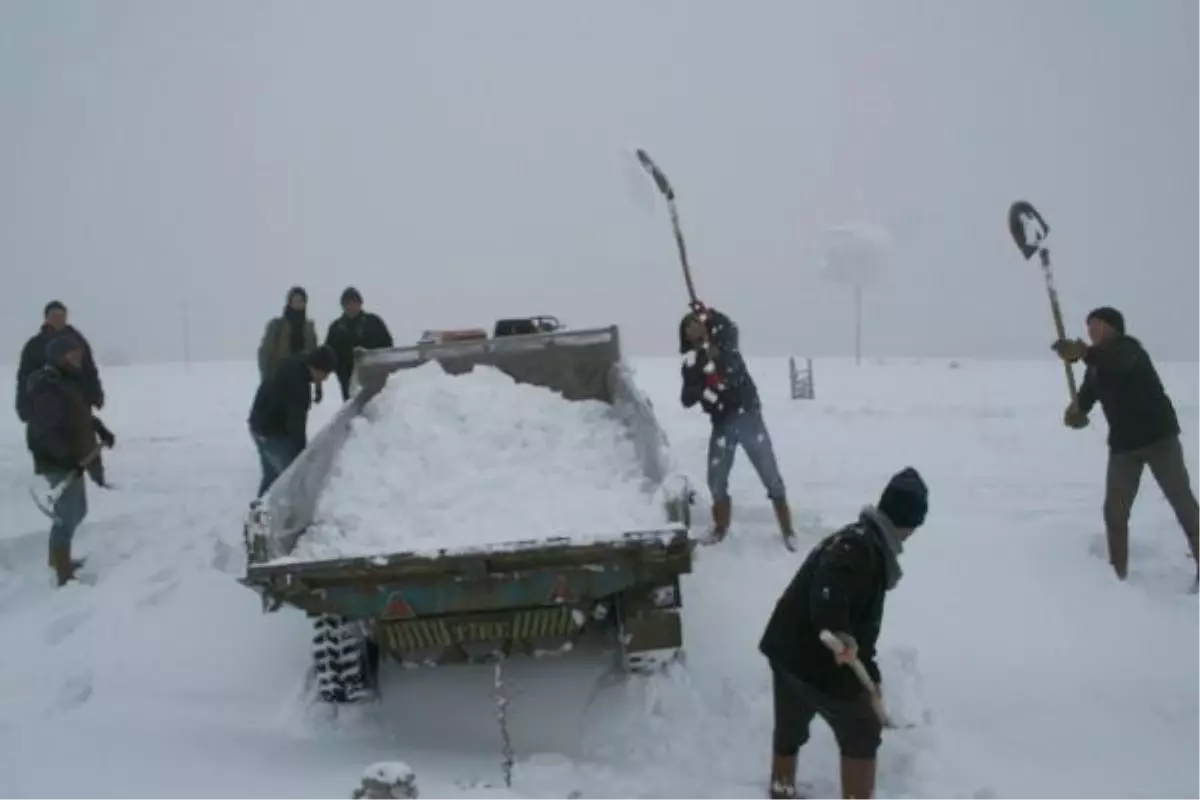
(441, 463)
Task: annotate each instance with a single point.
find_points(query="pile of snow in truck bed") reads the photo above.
(439, 461)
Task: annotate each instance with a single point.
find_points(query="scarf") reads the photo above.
(881, 529)
(296, 320)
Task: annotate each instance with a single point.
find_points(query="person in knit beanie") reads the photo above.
(839, 589)
(1143, 430)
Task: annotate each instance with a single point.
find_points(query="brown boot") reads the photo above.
(721, 513)
(77, 562)
(783, 515)
(783, 777)
(858, 777)
(64, 566)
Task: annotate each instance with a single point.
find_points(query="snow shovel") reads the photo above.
(46, 497)
(835, 645)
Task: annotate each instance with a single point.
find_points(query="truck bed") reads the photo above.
(325, 513)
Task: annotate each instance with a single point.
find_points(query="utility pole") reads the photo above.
(187, 339)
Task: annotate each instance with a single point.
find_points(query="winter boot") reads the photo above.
(783, 515)
(64, 566)
(858, 777)
(783, 777)
(722, 511)
(76, 562)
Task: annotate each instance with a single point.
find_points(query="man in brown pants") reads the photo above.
(1142, 429)
(841, 587)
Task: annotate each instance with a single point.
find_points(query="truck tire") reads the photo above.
(345, 661)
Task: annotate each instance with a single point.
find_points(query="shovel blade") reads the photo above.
(45, 496)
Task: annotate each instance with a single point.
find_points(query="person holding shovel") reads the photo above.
(715, 377)
(1143, 430)
(840, 590)
(64, 439)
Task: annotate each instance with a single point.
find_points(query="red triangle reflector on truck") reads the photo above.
(398, 608)
(560, 592)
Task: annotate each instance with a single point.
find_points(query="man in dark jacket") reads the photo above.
(62, 436)
(715, 376)
(33, 358)
(355, 328)
(840, 588)
(279, 414)
(1143, 429)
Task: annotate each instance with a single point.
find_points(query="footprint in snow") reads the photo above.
(162, 575)
(65, 625)
(226, 558)
(159, 595)
(74, 692)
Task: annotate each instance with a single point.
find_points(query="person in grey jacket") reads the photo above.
(289, 334)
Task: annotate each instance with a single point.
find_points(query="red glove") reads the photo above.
(713, 381)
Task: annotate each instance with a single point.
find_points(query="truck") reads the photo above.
(532, 597)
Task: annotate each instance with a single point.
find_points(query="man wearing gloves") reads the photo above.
(63, 437)
(1143, 429)
(715, 376)
(840, 588)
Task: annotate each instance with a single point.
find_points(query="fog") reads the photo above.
(169, 170)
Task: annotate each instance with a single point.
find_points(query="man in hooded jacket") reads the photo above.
(1143, 430)
(840, 588)
(289, 334)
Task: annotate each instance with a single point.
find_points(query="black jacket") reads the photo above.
(739, 393)
(1121, 376)
(59, 431)
(282, 402)
(366, 330)
(840, 587)
(33, 358)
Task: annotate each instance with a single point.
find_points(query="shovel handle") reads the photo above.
(837, 647)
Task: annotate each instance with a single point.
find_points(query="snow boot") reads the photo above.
(722, 511)
(64, 566)
(783, 515)
(858, 777)
(76, 562)
(783, 777)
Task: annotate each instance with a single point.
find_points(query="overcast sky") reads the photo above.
(460, 161)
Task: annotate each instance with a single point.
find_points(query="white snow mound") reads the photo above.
(438, 461)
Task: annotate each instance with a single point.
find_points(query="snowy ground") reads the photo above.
(1029, 670)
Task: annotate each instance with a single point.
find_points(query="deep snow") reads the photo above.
(442, 461)
(1030, 670)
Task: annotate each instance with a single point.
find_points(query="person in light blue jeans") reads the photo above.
(745, 429)
(69, 511)
(279, 414)
(62, 436)
(275, 454)
(716, 378)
